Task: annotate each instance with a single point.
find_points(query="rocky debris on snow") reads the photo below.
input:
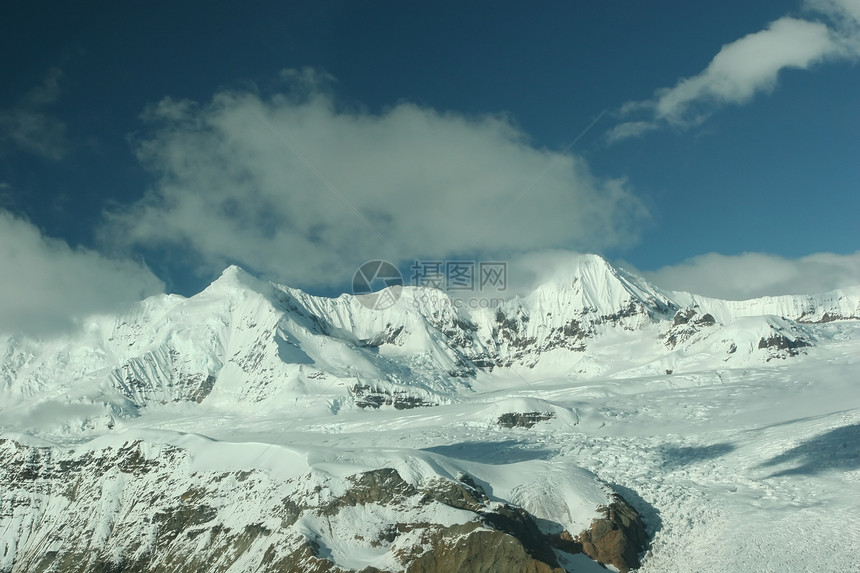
(523, 419)
(369, 397)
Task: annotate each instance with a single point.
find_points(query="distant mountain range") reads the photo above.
(245, 341)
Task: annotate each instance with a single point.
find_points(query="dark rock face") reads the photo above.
(467, 549)
(502, 538)
(382, 486)
(204, 388)
(461, 494)
(781, 342)
(685, 324)
(511, 340)
(524, 419)
(388, 336)
(826, 317)
(617, 538)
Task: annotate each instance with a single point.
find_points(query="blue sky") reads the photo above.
(148, 145)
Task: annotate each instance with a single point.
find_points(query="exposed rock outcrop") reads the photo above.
(780, 342)
(685, 324)
(618, 538)
(478, 551)
(371, 397)
(523, 419)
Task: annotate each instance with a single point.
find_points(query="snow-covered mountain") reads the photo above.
(246, 341)
(202, 430)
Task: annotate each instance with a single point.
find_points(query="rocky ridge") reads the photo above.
(143, 507)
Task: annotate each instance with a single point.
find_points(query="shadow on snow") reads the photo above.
(675, 457)
(838, 449)
(496, 453)
(650, 515)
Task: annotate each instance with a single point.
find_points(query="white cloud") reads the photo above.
(527, 271)
(630, 129)
(749, 66)
(6, 194)
(301, 190)
(844, 14)
(27, 127)
(750, 275)
(47, 285)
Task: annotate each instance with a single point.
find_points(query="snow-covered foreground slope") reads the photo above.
(165, 501)
(255, 427)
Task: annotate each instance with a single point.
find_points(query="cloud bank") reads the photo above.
(47, 286)
(751, 275)
(748, 66)
(302, 190)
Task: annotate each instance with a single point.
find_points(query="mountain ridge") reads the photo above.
(251, 341)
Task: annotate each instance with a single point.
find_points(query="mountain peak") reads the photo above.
(586, 271)
(591, 282)
(234, 277)
(570, 270)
